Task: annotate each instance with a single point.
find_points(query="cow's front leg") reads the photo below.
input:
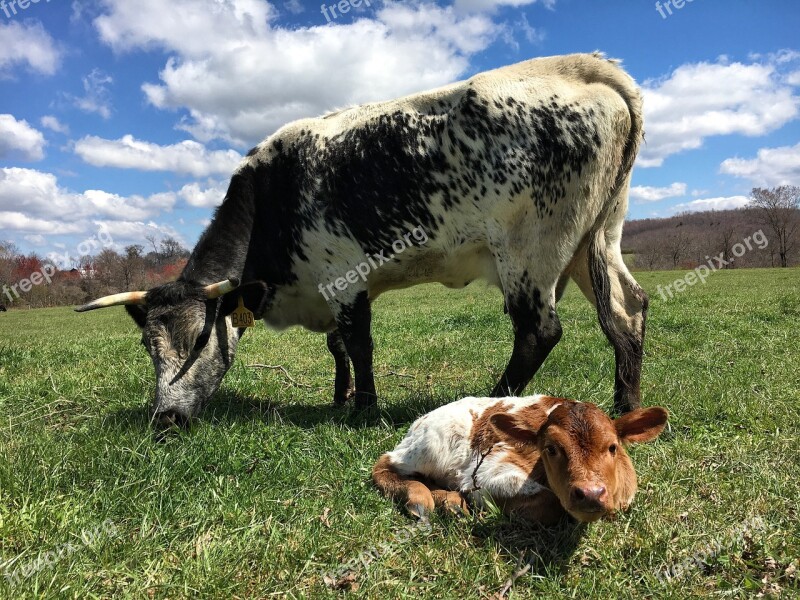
(354, 320)
(536, 332)
(343, 388)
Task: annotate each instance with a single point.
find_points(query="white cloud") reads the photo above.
(97, 97)
(210, 197)
(706, 99)
(19, 222)
(27, 43)
(36, 240)
(294, 6)
(53, 124)
(38, 197)
(645, 193)
(771, 167)
(34, 207)
(18, 138)
(217, 70)
(125, 233)
(491, 5)
(187, 157)
(722, 203)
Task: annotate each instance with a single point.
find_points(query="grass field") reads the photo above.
(270, 489)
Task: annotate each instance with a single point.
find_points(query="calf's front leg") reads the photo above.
(543, 507)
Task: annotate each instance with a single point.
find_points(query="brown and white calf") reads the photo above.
(536, 457)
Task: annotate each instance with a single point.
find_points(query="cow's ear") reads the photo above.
(256, 296)
(138, 314)
(511, 428)
(641, 425)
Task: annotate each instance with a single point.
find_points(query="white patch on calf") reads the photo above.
(438, 446)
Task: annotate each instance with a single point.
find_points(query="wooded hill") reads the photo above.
(691, 239)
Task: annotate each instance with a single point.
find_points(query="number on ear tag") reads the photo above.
(242, 317)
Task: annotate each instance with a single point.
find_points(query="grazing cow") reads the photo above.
(518, 176)
(3, 308)
(536, 457)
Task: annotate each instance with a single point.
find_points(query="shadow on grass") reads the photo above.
(228, 407)
(546, 549)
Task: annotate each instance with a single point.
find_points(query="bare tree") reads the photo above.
(726, 236)
(649, 254)
(156, 254)
(677, 247)
(171, 250)
(779, 209)
(131, 267)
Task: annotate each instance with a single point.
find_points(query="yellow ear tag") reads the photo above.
(242, 317)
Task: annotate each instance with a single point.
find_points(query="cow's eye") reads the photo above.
(551, 450)
(612, 449)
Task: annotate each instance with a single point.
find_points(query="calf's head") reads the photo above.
(583, 453)
(187, 331)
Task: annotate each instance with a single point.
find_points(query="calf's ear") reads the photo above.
(138, 314)
(255, 294)
(510, 427)
(641, 425)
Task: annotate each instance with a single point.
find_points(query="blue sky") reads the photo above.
(129, 117)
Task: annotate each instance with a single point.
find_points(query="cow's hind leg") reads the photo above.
(531, 303)
(354, 320)
(622, 304)
(343, 384)
(414, 494)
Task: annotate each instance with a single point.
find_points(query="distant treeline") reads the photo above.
(688, 240)
(30, 281)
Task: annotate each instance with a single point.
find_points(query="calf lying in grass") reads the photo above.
(536, 457)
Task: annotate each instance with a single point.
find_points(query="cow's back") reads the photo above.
(525, 152)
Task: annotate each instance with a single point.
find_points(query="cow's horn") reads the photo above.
(125, 298)
(216, 290)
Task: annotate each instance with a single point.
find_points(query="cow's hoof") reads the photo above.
(366, 402)
(340, 399)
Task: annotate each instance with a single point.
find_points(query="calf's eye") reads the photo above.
(551, 450)
(612, 449)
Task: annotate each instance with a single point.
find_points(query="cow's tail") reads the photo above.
(610, 74)
(414, 494)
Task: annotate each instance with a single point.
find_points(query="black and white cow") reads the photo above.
(518, 176)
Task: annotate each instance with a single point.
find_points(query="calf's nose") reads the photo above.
(588, 495)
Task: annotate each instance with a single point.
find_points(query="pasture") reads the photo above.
(270, 489)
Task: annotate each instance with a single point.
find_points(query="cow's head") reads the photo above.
(187, 331)
(583, 452)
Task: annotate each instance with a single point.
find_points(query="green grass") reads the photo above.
(270, 489)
